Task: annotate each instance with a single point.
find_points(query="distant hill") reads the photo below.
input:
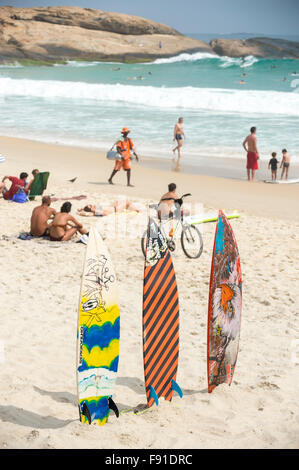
(207, 37)
(259, 47)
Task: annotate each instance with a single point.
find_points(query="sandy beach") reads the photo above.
(40, 285)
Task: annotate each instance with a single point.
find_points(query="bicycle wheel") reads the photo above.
(143, 242)
(191, 240)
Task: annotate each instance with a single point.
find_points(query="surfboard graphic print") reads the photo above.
(160, 319)
(97, 334)
(225, 305)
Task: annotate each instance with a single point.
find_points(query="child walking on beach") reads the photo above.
(273, 163)
(285, 163)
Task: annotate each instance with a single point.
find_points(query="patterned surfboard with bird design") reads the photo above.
(225, 305)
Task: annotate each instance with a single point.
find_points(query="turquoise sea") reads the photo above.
(87, 104)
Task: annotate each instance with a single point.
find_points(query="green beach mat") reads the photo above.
(39, 184)
(208, 217)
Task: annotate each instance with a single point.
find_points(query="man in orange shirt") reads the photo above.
(125, 148)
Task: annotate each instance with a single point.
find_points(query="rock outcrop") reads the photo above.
(56, 34)
(63, 33)
(259, 47)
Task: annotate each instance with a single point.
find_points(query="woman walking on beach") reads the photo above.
(178, 136)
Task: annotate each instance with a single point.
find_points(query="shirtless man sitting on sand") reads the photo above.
(252, 153)
(167, 205)
(39, 226)
(64, 225)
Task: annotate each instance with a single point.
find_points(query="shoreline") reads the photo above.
(258, 198)
(220, 167)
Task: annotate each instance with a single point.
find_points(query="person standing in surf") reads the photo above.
(178, 137)
(252, 153)
(285, 163)
(273, 164)
(125, 148)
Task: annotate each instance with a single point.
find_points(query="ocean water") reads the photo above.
(87, 103)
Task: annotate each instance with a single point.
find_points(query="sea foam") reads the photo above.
(210, 99)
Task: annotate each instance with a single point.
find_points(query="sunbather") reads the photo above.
(101, 210)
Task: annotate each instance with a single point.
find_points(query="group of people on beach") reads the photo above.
(62, 226)
(250, 146)
(126, 150)
(17, 184)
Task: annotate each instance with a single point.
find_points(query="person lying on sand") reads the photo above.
(39, 226)
(64, 225)
(16, 183)
(101, 210)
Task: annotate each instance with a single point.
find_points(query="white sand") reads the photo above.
(40, 284)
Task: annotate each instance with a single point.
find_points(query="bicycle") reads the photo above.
(191, 238)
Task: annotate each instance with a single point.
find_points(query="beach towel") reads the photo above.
(78, 198)
(2, 158)
(25, 236)
(39, 184)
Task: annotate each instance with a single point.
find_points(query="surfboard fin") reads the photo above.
(112, 406)
(177, 388)
(85, 411)
(154, 395)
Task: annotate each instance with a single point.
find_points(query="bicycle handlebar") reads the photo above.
(173, 199)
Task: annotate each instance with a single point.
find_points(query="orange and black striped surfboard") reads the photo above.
(160, 319)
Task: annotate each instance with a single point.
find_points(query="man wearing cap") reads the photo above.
(125, 148)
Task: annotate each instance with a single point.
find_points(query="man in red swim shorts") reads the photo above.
(252, 153)
(125, 148)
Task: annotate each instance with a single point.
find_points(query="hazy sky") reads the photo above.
(198, 16)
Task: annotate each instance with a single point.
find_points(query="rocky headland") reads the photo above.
(58, 34)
